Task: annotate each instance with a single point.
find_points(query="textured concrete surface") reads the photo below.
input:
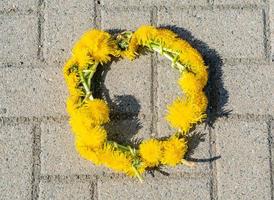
(13, 29)
(186, 188)
(233, 149)
(250, 89)
(16, 161)
(28, 91)
(66, 190)
(244, 170)
(7, 5)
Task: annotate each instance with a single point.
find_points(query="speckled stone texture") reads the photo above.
(233, 149)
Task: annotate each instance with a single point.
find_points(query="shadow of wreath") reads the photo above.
(124, 125)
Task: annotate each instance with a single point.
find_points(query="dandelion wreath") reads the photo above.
(88, 114)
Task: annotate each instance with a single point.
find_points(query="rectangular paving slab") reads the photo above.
(16, 143)
(15, 28)
(248, 89)
(243, 171)
(32, 92)
(163, 189)
(65, 190)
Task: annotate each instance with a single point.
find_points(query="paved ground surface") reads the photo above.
(234, 154)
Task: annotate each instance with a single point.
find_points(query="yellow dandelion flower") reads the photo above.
(81, 54)
(180, 45)
(140, 169)
(174, 150)
(93, 137)
(73, 81)
(150, 152)
(97, 45)
(88, 153)
(77, 123)
(131, 51)
(199, 102)
(201, 73)
(165, 37)
(181, 116)
(72, 103)
(191, 57)
(165, 33)
(189, 83)
(116, 160)
(95, 111)
(70, 62)
(145, 34)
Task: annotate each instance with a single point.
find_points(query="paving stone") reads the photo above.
(181, 188)
(248, 89)
(237, 2)
(32, 92)
(127, 86)
(18, 4)
(124, 19)
(59, 190)
(147, 3)
(13, 29)
(65, 22)
(15, 161)
(58, 155)
(235, 28)
(167, 91)
(243, 172)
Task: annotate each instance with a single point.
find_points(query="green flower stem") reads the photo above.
(91, 73)
(85, 84)
(133, 152)
(119, 146)
(171, 55)
(137, 174)
(87, 81)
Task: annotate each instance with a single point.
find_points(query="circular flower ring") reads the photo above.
(88, 114)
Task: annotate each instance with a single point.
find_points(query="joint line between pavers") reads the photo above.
(16, 11)
(245, 117)
(154, 81)
(67, 178)
(36, 165)
(27, 120)
(38, 119)
(208, 6)
(245, 61)
(97, 15)
(41, 5)
(213, 167)
(212, 7)
(270, 145)
(267, 36)
(94, 189)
